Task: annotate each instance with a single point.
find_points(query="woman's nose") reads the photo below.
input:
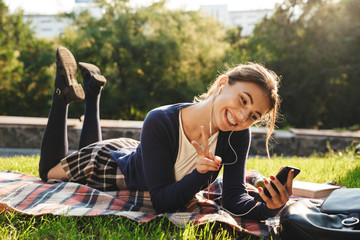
(243, 115)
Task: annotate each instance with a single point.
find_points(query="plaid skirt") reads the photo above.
(93, 165)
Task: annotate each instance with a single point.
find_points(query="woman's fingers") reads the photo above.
(278, 199)
(282, 196)
(270, 188)
(204, 165)
(206, 160)
(204, 138)
(198, 148)
(217, 159)
(203, 150)
(263, 196)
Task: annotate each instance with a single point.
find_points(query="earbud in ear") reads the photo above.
(220, 89)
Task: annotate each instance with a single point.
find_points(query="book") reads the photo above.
(312, 190)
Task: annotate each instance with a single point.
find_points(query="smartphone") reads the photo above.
(281, 176)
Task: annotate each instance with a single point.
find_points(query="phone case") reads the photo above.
(281, 176)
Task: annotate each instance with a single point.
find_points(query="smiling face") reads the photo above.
(238, 106)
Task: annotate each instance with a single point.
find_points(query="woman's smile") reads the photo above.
(230, 118)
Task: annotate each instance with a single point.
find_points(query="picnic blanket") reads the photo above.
(27, 194)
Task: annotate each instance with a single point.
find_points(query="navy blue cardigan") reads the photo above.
(151, 166)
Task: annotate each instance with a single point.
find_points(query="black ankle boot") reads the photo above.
(92, 79)
(66, 84)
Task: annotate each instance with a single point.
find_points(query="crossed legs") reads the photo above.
(54, 145)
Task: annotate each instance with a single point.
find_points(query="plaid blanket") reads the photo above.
(29, 195)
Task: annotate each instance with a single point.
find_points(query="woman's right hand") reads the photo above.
(206, 161)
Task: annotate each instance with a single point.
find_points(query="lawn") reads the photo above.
(341, 167)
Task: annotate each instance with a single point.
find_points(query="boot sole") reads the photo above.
(67, 64)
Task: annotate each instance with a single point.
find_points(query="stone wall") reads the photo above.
(26, 133)
(303, 142)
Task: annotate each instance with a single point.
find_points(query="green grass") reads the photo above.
(15, 226)
(344, 168)
(341, 168)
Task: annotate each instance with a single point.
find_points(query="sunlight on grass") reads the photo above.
(17, 226)
(343, 168)
(25, 164)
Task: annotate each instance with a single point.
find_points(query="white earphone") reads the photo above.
(220, 89)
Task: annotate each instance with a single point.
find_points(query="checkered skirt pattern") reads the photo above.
(93, 165)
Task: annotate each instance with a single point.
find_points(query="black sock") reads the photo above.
(54, 144)
(91, 130)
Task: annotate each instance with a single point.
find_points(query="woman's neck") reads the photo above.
(195, 116)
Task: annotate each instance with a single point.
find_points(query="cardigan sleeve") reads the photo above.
(235, 196)
(159, 147)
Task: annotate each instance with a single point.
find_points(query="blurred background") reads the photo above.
(161, 52)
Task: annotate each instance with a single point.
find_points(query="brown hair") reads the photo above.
(265, 78)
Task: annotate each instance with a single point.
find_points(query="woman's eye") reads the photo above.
(243, 100)
(253, 117)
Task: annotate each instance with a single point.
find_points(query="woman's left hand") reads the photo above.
(277, 200)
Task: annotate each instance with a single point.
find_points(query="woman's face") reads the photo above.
(239, 105)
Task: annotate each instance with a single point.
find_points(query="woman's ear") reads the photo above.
(220, 89)
(223, 79)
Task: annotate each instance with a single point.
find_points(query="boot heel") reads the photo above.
(98, 80)
(76, 93)
(92, 79)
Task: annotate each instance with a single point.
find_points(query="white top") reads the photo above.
(186, 158)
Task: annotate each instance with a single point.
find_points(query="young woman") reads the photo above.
(182, 146)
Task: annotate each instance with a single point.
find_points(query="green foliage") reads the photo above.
(314, 45)
(11, 67)
(151, 56)
(25, 73)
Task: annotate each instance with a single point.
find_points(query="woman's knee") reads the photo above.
(57, 172)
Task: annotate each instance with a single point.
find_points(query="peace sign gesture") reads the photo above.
(206, 161)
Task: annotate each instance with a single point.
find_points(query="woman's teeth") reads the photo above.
(230, 119)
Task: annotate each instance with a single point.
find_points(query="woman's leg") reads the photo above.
(93, 84)
(54, 144)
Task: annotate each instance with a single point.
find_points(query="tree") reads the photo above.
(309, 44)
(343, 108)
(150, 55)
(25, 73)
(10, 66)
